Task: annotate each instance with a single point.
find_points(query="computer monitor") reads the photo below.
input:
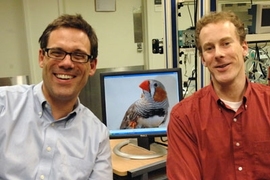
(137, 104)
(260, 19)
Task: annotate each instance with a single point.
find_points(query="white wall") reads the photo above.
(13, 45)
(37, 15)
(23, 21)
(114, 30)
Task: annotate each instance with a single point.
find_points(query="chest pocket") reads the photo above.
(261, 160)
(73, 168)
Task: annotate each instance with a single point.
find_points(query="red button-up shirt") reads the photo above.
(208, 140)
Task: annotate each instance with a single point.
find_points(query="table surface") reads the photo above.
(121, 166)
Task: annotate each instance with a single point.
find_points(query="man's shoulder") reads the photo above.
(15, 88)
(260, 88)
(197, 95)
(16, 96)
(194, 99)
(92, 122)
(16, 91)
(259, 85)
(89, 116)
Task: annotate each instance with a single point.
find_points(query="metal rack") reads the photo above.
(258, 61)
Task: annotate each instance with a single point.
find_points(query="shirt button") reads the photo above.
(237, 144)
(48, 148)
(42, 177)
(52, 124)
(240, 168)
(234, 119)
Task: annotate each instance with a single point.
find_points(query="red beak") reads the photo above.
(145, 85)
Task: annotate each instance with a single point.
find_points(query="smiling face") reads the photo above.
(64, 79)
(222, 52)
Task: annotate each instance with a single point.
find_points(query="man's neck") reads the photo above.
(61, 109)
(231, 92)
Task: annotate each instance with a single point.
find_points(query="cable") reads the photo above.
(189, 81)
(163, 144)
(192, 24)
(258, 64)
(161, 138)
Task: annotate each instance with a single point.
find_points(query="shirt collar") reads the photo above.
(39, 97)
(42, 104)
(245, 97)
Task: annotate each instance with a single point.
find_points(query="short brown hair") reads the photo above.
(215, 17)
(71, 21)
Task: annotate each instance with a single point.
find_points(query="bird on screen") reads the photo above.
(151, 110)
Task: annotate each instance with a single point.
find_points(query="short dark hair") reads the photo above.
(222, 16)
(71, 21)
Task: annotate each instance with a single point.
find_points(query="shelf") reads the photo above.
(243, 1)
(253, 38)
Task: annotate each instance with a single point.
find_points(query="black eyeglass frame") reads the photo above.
(90, 57)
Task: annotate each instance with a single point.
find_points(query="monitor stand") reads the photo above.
(154, 150)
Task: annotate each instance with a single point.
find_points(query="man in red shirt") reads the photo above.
(222, 131)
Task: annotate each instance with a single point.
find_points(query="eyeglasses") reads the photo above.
(59, 54)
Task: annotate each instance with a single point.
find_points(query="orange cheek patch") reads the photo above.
(160, 95)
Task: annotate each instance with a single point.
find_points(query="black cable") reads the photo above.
(161, 138)
(163, 144)
(257, 49)
(189, 81)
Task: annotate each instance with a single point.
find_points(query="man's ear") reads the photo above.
(245, 48)
(41, 58)
(203, 61)
(93, 67)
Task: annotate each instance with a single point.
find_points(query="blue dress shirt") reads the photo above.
(35, 146)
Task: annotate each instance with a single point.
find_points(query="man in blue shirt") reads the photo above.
(45, 132)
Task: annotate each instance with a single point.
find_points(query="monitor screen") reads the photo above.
(138, 103)
(260, 18)
(265, 22)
